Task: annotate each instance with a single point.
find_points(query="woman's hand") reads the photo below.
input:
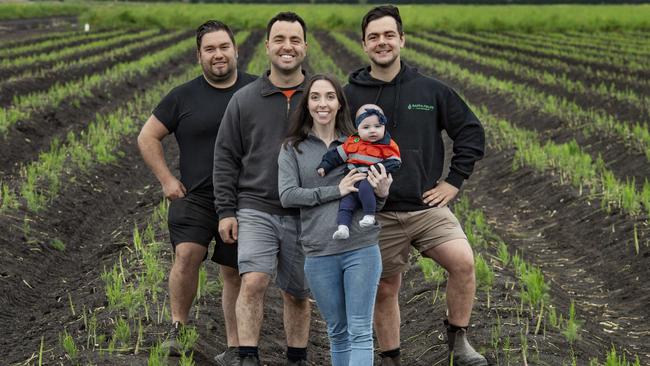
(379, 180)
(346, 185)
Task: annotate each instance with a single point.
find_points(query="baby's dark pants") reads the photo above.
(364, 198)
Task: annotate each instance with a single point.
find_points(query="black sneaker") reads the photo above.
(171, 341)
(229, 357)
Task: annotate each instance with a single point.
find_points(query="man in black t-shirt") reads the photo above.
(193, 112)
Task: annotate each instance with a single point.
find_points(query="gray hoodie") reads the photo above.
(245, 168)
(318, 197)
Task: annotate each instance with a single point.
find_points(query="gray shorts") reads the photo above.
(268, 244)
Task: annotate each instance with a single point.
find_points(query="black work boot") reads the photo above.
(391, 361)
(461, 353)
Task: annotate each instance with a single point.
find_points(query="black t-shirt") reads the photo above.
(193, 112)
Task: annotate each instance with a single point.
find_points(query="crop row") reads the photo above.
(59, 41)
(40, 180)
(570, 163)
(518, 64)
(42, 37)
(101, 57)
(322, 63)
(259, 61)
(41, 58)
(618, 57)
(72, 39)
(534, 294)
(593, 59)
(74, 91)
(605, 75)
(585, 42)
(136, 303)
(608, 38)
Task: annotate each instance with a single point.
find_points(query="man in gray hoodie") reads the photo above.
(245, 177)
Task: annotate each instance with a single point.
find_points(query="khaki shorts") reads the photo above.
(423, 230)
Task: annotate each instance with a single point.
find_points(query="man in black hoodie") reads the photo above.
(416, 213)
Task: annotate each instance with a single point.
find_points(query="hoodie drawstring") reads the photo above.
(398, 86)
(363, 77)
(396, 104)
(381, 88)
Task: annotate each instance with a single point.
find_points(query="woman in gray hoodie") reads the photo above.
(343, 274)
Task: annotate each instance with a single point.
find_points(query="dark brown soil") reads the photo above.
(20, 41)
(17, 31)
(71, 44)
(622, 110)
(27, 138)
(589, 47)
(343, 59)
(13, 26)
(25, 86)
(641, 74)
(587, 253)
(16, 70)
(573, 74)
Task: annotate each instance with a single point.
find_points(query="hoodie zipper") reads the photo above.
(288, 106)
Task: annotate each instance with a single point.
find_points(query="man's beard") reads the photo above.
(219, 77)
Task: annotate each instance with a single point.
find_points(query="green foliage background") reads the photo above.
(528, 18)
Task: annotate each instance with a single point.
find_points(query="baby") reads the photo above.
(369, 146)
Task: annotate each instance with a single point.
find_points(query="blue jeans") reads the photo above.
(345, 287)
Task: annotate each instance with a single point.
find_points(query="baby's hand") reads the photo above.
(321, 172)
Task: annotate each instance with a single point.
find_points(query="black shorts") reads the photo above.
(193, 219)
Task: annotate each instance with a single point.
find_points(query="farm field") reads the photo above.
(557, 212)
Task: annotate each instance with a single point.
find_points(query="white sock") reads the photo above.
(367, 221)
(343, 232)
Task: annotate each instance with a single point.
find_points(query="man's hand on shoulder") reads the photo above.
(173, 189)
(228, 230)
(440, 195)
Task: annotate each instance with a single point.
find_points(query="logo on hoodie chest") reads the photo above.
(420, 107)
